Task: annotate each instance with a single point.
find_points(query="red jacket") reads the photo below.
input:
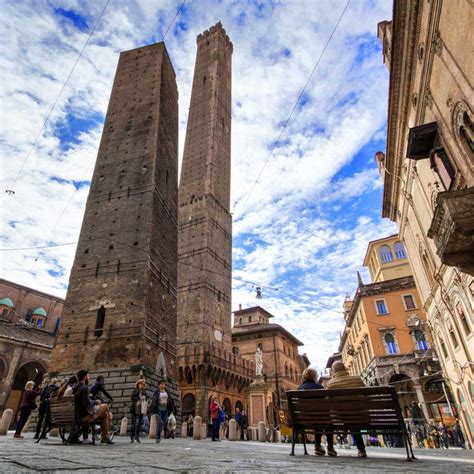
(214, 409)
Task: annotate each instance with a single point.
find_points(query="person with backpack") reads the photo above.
(48, 392)
(162, 406)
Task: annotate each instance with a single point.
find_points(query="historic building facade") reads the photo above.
(428, 172)
(386, 339)
(119, 316)
(206, 363)
(29, 321)
(282, 364)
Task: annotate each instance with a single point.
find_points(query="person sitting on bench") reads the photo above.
(309, 383)
(89, 412)
(340, 378)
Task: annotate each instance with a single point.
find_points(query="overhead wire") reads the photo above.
(303, 90)
(45, 122)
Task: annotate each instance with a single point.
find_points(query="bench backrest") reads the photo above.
(368, 408)
(63, 410)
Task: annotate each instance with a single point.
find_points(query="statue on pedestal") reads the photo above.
(259, 363)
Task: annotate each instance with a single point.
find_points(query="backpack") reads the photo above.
(46, 393)
(221, 415)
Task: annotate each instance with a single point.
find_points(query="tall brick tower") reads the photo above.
(206, 362)
(119, 316)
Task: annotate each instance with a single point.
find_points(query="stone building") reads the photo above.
(428, 172)
(206, 363)
(283, 364)
(386, 339)
(29, 320)
(119, 316)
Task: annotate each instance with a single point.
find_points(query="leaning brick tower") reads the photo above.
(119, 317)
(206, 362)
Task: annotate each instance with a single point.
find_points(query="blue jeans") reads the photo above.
(216, 424)
(161, 423)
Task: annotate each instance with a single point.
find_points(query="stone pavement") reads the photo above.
(186, 455)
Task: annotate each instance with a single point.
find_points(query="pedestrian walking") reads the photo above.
(244, 423)
(48, 392)
(138, 408)
(27, 405)
(162, 406)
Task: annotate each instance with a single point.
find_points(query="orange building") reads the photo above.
(386, 338)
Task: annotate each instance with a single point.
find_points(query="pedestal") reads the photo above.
(260, 397)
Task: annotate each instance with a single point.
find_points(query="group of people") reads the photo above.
(340, 379)
(160, 405)
(220, 421)
(438, 436)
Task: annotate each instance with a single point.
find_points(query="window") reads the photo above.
(250, 319)
(386, 253)
(409, 302)
(420, 338)
(452, 335)
(390, 343)
(381, 307)
(463, 319)
(240, 320)
(443, 347)
(286, 370)
(399, 250)
(99, 322)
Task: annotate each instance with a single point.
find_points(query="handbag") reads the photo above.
(143, 406)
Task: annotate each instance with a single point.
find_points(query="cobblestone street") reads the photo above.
(204, 456)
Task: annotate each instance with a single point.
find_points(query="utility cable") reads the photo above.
(293, 110)
(33, 146)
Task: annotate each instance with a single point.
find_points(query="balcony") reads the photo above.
(452, 229)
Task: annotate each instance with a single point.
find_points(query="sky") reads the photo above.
(303, 214)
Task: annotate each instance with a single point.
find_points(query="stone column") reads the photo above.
(153, 427)
(232, 430)
(123, 426)
(197, 428)
(421, 400)
(5, 421)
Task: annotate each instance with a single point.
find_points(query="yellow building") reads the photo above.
(428, 172)
(386, 339)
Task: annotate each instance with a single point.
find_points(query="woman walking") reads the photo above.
(162, 406)
(215, 417)
(27, 405)
(138, 408)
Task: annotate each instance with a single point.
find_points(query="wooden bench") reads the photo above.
(357, 410)
(62, 415)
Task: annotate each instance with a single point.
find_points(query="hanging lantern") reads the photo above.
(259, 293)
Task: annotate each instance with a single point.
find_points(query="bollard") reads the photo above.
(197, 427)
(123, 426)
(184, 430)
(232, 430)
(203, 431)
(153, 427)
(262, 432)
(5, 421)
(252, 433)
(278, 436)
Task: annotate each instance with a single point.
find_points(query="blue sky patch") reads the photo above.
(70, 16)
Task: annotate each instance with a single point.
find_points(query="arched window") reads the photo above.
(452, 335)
(390, 343)
(385, 253)
(286, 370)
(420, 339)
(443, 347)
(463, 319)
(99, 322)
(399, 250)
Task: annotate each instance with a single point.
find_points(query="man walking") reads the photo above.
(244, 424)
(43, 406)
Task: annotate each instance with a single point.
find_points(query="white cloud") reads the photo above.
(303, 245)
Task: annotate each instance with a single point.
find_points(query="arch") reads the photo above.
(385, 253)
(189, 404)
(239, 405)
(403, 385)
(399, 250)
(227, 406)
(30, 371)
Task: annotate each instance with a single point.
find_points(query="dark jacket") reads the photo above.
(28, 398)
(135, 398)
(156, 403)
(99, 387)
(48, 392)
(244, 422)
(84, 404)
(310, 385)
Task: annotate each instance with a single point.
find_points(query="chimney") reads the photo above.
(240, 307)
